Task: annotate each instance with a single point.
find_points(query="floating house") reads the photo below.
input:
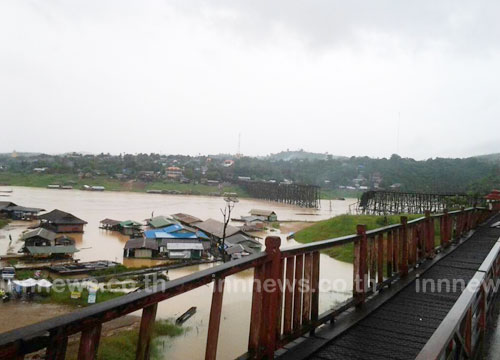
(61, 222)
(268, 215)
(186, 219)
(109, 224)
(158, 222)
(16, 212)
(44, 243)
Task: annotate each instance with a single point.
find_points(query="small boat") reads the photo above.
(184, 317)
(290, 236)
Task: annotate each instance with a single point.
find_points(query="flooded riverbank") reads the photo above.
(97, 244)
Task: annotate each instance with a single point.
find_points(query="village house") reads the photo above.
(173, 242)
(141, 247)
(41, 242)
(61, 222)
(173, 172)
(248, 244)
(268, 215)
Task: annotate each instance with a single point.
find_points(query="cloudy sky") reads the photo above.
(189, 76)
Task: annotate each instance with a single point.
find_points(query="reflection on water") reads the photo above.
(98, 244)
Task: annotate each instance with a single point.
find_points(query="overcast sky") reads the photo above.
(189, 76)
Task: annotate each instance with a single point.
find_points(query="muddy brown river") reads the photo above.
(97, 244)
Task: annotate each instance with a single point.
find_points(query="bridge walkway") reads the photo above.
(400, 327)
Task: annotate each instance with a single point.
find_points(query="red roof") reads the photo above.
(494, 195)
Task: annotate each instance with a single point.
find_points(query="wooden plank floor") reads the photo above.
(401, 326)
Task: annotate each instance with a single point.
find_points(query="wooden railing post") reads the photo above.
(146, 331)
(266, 293)
(56, 350)
(89, 343)
(256, 316)
(360, 266)
(404, 244)
(274, 255)
(214, 320)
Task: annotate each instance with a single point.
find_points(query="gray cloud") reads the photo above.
(188, 76)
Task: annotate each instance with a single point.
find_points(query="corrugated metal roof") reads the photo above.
(110, 222)
(160, 221)
(40, 232)
(216, 228)
(141, 243)
(175, 231)
(186, 218)
(45, 250)
(61, 218)
(260, 212)
(184, 246)
(130, 223)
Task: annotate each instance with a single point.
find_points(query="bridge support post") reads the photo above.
(360, 266)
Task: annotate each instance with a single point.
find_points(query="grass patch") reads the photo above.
(3, 223)
(341, 226)
(122, 346)
(64, 297)
(42, 180)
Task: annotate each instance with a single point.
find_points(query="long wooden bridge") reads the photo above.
(382, 202)
(389, 316)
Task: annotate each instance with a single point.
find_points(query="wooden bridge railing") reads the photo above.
(461, 333)
(381, 256)
(285, 298)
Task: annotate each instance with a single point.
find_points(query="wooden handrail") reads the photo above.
(278, 315)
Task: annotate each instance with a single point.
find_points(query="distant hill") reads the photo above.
(490, 157)
(300, 155)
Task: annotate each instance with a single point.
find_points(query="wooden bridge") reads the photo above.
(388, 316)
(381, 202)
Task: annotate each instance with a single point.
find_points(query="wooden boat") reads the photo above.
(184, 317)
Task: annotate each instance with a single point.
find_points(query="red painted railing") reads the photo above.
(282, 310)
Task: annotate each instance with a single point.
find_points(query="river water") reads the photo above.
(97, 244)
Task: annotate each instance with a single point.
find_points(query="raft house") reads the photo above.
(127, 227)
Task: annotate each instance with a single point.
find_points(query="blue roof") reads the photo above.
(173, 232)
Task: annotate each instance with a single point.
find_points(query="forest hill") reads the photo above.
(478, 174)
